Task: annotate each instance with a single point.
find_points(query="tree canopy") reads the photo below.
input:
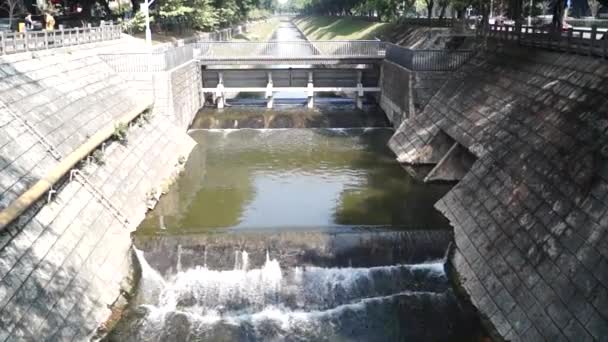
(390, 9)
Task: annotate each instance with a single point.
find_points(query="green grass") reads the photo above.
(259, 32)
(336, 28)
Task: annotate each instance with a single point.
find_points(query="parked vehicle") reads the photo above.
(4, 25)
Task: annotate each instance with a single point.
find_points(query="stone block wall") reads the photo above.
(405, 92)
(185, 87)
(63, 98)
(176, 91)
(395, 96)
(531, 216)
(425, 85)
(62, 264)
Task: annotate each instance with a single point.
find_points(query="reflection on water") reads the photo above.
(251, 179)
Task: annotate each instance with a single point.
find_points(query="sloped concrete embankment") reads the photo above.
(64, 262)
(530, 214)
(406, 92)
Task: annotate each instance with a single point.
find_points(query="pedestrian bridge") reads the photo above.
(290, 52)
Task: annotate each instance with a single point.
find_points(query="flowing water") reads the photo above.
(294, 234)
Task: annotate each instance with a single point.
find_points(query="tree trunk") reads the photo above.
(106, 7)
(443, 8)
(429, 7)
(134, 6)
(559, 9)
(485, 19)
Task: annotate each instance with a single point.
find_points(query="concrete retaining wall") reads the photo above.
(175, 92)
(63, 263)
(530, 217)
(405, 93)
(64, 98)
(185, 93)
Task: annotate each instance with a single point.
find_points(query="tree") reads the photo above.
(204, 15)
(544, 6)
(594, 6)
(12, 7)
(443, 4)
(559, 12)
(430, 4)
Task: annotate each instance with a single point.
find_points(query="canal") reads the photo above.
(308, 232)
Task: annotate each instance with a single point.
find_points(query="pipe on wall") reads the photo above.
(18, 206)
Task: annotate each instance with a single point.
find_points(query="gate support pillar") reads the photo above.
(310, 103)
(219, 91)
(360, 96)
(269, 93)
(359, 90)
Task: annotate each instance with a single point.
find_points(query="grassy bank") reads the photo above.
(261, 31)
(339, 28)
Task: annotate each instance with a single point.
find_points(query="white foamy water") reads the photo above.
(305, 303)
(246, 291)
(151, 283)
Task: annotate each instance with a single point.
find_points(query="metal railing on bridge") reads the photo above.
(16, 42)
(156, 60)
(290, 50)
(427, 60)
(584, 41)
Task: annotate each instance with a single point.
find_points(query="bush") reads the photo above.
(144, 118)
(120, 131)
(136, 24)
(257, 14)
(98, 157)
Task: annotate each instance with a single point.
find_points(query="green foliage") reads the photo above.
(257, 14)
(120, 7)
(343, 28)
(144, 118)
(204, 15)
(137, 23)
(170, 9)
(120, 131)
(98, 157)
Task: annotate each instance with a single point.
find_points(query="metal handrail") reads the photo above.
(77, 175)
(149, 61)
(427, 60)
(290, 49)
(47, 144)
(592, 41)
(16, 42)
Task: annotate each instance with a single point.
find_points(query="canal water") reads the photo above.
(293, 226)
(296, 234)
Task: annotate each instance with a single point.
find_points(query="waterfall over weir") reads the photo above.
(294, 235)
(267, 302)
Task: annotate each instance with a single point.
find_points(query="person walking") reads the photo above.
(29, 23)
(49, 22)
